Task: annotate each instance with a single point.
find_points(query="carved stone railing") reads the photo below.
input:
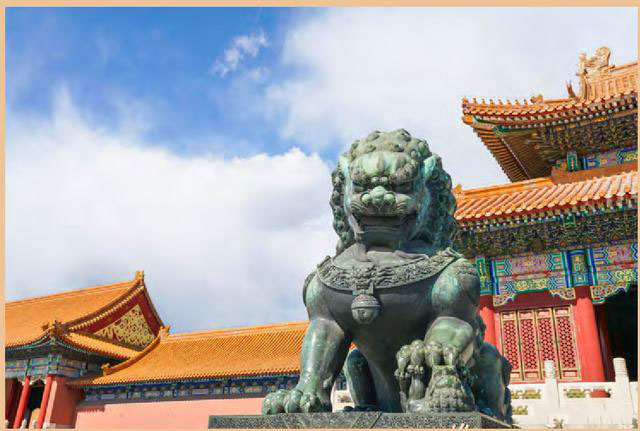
(564, 405)
(580, 404)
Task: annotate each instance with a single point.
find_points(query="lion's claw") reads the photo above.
(292, 401)
(295, 401)
(310, 403)
(441, 354)
(274, 402)
(449, 341)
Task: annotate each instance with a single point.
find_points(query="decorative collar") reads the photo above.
(367, 277)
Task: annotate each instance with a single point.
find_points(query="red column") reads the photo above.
(45, 401)
(10, 396)
(13, 407)
(488, 317)
(605, 342)
(24, 398)
(589, 349)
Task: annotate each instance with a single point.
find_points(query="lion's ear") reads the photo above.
(428, 166)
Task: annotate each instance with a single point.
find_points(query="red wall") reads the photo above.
(162, 414)
(62, 403)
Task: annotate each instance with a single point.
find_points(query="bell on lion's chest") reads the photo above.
(365, 308)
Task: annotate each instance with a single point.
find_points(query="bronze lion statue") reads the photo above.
(397, 290)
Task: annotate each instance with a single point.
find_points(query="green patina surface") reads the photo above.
(398, 291)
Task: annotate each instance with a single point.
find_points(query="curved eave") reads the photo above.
(99, 346)
(72, 324)
(48, 340)
(500, 151)
(98, 382)
(218, 354)
(107, 370)
(528, 116)
(499, 218)
(542, 197)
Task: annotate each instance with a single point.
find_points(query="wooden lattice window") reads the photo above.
(530, 337)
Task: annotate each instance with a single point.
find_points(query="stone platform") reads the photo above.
(361, 420)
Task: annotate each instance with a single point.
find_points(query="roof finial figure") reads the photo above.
(164, 332)
(570, 91)
(594, 67)
(598, 63)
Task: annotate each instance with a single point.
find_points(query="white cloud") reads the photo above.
(357, 70)
(257, 74)
(223, 242)
(242, 46)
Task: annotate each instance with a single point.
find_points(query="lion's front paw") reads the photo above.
(449, 341)
(447, 392)
(297, 400)
(411, 374)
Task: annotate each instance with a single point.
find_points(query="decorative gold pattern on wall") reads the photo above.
(131, 328)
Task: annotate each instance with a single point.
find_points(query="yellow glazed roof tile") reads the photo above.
(25, 319)
(96, 344)
(251, 351)
(542, 195)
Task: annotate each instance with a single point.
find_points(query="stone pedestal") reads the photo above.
(361, 420)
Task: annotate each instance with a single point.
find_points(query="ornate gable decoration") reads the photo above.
(131, 328)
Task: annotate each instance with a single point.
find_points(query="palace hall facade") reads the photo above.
(556, 250)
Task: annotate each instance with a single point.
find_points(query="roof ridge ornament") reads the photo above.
(106, 369)
(593, 68)
(596, 64)
(164, 332)
(537, 99)
(570, 92)
(55, 327)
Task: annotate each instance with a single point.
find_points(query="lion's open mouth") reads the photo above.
(384, 223)
(381, 223)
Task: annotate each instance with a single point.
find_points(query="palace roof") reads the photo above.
(547, 195)
(528, 137)
(108, 320)
(620, 82)
(240, 352)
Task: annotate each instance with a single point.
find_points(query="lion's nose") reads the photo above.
(377, 196)
(381, 197)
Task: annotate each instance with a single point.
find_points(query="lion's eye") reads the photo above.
(357, 188)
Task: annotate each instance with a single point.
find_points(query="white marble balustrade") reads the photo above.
(564, 405)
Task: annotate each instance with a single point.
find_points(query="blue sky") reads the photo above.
(159, 58)
(197, 144)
